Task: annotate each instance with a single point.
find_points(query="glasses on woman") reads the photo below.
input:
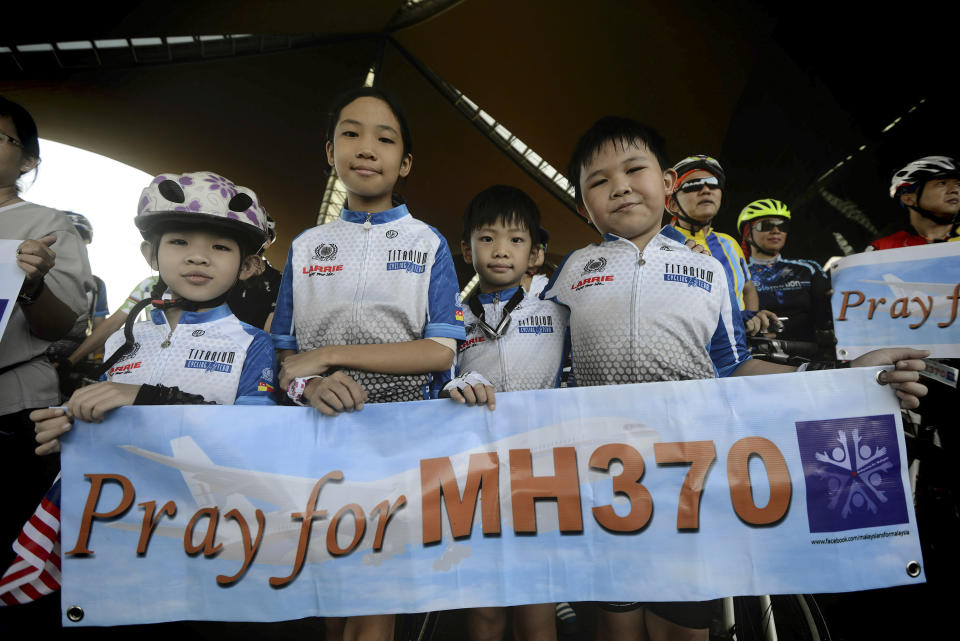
(771, 225)
(10, 139)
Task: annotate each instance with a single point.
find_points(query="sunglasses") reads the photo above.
(695, 185)
(773, 225)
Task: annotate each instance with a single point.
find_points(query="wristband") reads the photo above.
(297, 387)
(468, 379)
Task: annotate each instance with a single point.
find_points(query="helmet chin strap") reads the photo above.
(929, 215)
(695, 225)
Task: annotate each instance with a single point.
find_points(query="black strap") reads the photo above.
(504, 323)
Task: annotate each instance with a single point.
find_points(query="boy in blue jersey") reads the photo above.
(515, 341)
(644, 308)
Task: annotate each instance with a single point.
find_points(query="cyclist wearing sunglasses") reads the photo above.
(793, 289)
(929, 189)
(694, 203)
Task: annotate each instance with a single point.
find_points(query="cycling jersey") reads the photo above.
(796, 289)
(725, 249)
(529, 355)
(905, 238)
(369, 278)
(663, 314)
(209, 353)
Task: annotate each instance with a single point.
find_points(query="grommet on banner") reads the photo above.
(841, 352)
(75, 613)
(913, 569)
(879, 372)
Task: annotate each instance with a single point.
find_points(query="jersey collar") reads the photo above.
(668, 231)
(505, 295)
(763, 261)
(193, 318)
(379, 218)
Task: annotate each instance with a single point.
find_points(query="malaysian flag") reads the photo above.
(36, 570)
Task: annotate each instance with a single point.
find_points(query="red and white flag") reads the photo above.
(36, 570)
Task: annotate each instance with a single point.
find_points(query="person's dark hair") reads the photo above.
(346, 98)
(624, 132)
(26, 128)
(502, 203)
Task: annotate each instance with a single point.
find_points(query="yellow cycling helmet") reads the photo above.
(761, 209)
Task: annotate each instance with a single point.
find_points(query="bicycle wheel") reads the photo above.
(787, 617)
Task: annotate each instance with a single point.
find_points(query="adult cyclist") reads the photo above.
(695, 201)
(929, 189)
(795, 289)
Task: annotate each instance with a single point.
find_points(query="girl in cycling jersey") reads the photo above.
(368, 305)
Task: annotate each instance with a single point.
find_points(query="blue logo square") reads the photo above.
(852, 471)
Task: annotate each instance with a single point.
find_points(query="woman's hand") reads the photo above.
(50, 424)
(312, 363)
(336, 393)
(36, 258)
(92, 402)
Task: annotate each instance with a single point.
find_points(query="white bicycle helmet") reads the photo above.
(203, 197)
(922, 170)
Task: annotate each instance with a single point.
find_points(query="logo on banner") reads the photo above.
(851, 468)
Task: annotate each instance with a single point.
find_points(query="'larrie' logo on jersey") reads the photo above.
(210, 361)
(536, 325)
(592, 281)
(689, 275)
(322, 270)
(410, 260)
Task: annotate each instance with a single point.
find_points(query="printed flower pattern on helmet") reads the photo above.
(227, 188)
(203, 193)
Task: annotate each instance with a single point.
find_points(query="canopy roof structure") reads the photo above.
(797, 103)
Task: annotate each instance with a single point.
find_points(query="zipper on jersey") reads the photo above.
(633, 303)
(499, 314)
(362, 278)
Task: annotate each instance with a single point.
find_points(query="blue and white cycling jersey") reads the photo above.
(209, 353)
(365, 279)
(663, 314)
(531, 352)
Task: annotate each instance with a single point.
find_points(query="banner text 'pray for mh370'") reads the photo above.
(665, 491)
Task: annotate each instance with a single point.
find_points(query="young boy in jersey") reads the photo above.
(515, 341)
(202, 233)
(644, 308)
